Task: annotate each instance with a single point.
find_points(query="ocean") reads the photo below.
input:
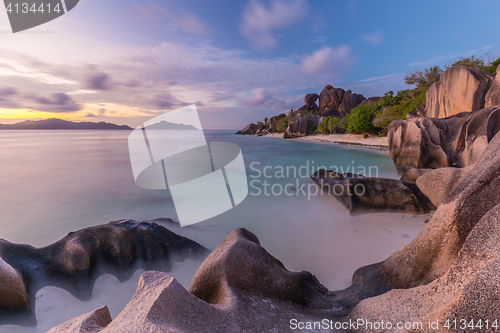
(55, 182)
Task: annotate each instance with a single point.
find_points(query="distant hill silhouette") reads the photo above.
(59, 124)
(166, 125)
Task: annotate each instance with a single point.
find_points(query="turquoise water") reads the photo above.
(54, 182)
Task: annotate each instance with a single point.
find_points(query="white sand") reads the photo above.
(373, 141)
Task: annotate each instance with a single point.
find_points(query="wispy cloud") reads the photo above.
(455, 55)
(272, 99)
(378, 86)
(260, 21)
(375, 38)
(176, 19)
(327, 61)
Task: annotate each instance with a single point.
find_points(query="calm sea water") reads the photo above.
(54, 182)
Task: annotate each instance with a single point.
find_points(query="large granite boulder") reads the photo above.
(350, 101)
(297, 128)
(456, 141)
(370, 100)
(493, 95)
(313, 121)
(370, 194)
(437, 184)
(76, 261)
(14, 298)
(311, 99)
(330, 99)
(250, 129)
(460, 89)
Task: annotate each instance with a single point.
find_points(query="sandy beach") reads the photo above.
(373, 141)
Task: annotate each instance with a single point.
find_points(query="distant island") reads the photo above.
(59, 124)
(166, 125)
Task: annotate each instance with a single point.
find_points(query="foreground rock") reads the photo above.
(369, 194)
(451, 269)
(460, 89)
(240, 287)
(77, 260)
(438, 184)
(456, 141)
(94, 321)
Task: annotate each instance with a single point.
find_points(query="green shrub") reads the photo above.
(323, 126)
(281, 125)
(360, 119)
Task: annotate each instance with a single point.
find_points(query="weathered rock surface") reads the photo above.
(13, 294)
(330, 99)
(451, 268)
(76, 261)
(250, 129)
(350, 101)
(455, 141)
(413, 174)
(493, 95)
(94, 321)
(460, 89)
(240, 287)
(370, 100)
(368, 194)
(310, 99)
(438, 183)
(297, 128)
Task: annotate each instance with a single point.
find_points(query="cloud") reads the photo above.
(7, 91)
(176, 20)
(378, 86)
(455, 55)
(90, 115)
(258, 22)
(166, 101)
(57, 102)
(328, 61)
(274, 100)
(97, 81)
(374, 38)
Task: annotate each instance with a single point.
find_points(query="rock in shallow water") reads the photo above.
(437, 184)
(76, 261)
(369, 194)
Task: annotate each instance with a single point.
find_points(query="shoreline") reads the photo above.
(356, 140)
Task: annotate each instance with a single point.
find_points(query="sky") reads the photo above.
(239, 61)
